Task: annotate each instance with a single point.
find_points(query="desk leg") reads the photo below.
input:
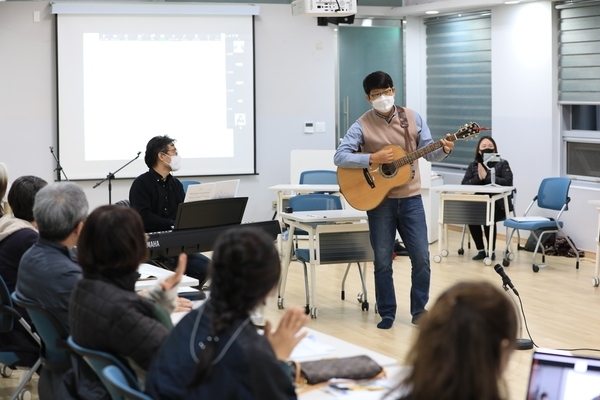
(441, 239)
(313, 276)
(596, 279)
(286, 257)
(492, 226)
(313, 292)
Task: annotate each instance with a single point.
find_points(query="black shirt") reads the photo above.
(156, 199)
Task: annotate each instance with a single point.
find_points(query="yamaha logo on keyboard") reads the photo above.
(153, 243)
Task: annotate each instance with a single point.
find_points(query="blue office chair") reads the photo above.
(188, 183)
(118, 381)
(314, 202)
(13, 359)
(55, 352)
(99, 360)
(553, 194)
(319, 177)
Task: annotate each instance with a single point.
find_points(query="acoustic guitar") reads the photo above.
(366, 188)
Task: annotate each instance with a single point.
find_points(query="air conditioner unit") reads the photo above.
(324, 8)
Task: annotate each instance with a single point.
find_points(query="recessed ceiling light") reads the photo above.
(431, 12)
(512, 2)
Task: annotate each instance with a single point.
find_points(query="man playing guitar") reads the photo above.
(400, 209)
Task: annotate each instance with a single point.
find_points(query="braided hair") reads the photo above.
(244, 269)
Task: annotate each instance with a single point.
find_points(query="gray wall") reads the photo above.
(525, 114)
(295, 81)
(295, 62)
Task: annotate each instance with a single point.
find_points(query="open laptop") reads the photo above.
(563, 376)
(210, 213)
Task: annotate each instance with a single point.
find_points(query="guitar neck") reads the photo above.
(415, 155)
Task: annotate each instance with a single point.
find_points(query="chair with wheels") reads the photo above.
(10, 360)
(334, 247)
(553, 194)
(117, 380)
(99, 360)
(188, 183)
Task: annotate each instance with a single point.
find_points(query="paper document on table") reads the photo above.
(529, 219)
(310, 348)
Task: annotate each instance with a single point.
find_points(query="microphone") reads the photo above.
(524, 343)
(505, 279)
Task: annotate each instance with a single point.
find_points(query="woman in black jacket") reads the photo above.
(215, 352)
(105, 312)
(478, 174)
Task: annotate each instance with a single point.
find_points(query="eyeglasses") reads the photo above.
(386, 92)
(167, 152)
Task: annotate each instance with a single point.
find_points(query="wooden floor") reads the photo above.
(559, 301)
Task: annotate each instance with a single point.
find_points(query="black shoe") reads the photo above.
(385, 323)
(480, 256)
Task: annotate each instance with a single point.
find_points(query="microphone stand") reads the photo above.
(111, 176)
(522, 343)
(58, 168)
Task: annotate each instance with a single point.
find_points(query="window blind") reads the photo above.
(459, 78)
(579, 53)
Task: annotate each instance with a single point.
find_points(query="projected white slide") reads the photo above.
(125, 79)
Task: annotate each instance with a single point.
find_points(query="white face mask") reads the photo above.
(383, 103)
(175, 163)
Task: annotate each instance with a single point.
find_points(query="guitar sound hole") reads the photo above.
(388, 170)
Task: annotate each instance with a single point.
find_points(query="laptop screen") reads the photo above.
(557, 376)
(210, 213)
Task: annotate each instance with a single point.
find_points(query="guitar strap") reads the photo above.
(404, 124)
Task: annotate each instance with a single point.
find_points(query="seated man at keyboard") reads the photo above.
(156, 194)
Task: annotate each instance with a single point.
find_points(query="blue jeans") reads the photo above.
(407, 216)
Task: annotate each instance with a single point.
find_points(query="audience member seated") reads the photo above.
(18, 230)
(156, 195)
(463, 347)
(215, 352)
(478, 174)
(48, 271)
(105, 312)
(17, 234)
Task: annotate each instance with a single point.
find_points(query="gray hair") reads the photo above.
(58, 208)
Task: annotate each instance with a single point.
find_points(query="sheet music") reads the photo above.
(225, 189)
(200, 191)
(212, 190)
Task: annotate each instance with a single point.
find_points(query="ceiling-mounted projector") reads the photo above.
(324, 8)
